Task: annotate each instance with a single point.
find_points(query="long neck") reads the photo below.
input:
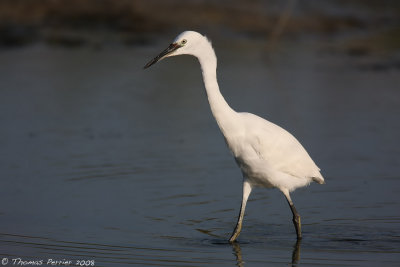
(222, 112)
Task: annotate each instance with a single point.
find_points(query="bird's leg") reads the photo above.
(296, 216)
(296, 220)
(238, 228)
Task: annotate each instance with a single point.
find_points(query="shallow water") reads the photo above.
(101, 160)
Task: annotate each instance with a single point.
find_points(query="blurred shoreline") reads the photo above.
(75, 23)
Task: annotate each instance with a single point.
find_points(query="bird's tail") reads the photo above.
(319, 180)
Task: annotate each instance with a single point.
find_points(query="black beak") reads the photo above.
(171, 48)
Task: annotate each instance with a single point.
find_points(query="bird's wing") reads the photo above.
(279, 148)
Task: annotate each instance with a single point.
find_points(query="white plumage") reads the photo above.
(267, 155)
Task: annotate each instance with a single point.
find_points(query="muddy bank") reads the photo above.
(97, 22)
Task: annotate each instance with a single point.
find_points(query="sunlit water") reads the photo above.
(101, 160)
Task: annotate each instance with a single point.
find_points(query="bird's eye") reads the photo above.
(184, 41)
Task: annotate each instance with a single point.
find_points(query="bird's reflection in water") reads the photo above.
(296, 253)
(241, 263)
(238, 253)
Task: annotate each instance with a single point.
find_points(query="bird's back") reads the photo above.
(264, 150)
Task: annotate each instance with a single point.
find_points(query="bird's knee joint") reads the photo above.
(297, 219)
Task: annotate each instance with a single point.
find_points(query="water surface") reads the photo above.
(101, 160)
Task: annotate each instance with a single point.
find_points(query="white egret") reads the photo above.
(267, 155)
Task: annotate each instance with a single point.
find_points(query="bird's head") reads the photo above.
(186, 43)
